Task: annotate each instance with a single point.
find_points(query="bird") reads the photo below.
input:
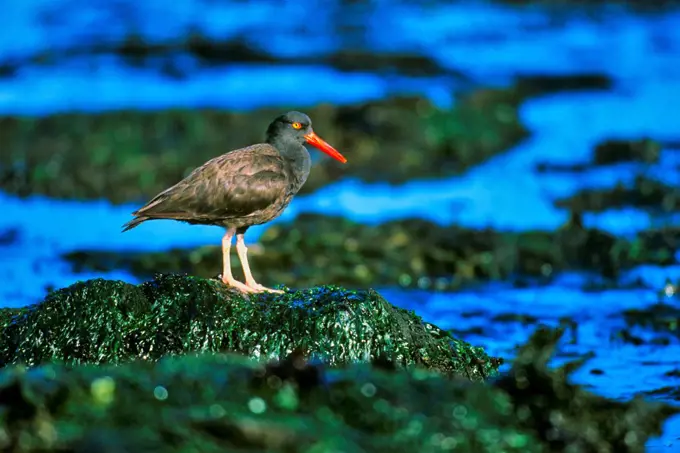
(244, 187)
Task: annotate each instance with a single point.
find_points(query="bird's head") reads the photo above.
(296, 126)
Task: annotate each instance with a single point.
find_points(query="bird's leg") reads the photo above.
(243, 256)
(227, 278)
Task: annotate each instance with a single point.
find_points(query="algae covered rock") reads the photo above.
(567, 417)
(412, 253)
(132, 155)
(101, 321)
(227, 403)
(614, 151)
(645, 193)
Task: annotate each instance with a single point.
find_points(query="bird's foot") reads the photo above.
(259, 288)
(233, 283)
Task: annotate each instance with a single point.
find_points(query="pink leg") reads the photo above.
(242, 251)
(227, 277)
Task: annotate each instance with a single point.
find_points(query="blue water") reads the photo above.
(487, 44)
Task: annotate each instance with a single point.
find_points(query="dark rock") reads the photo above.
(9, 236)
(660, 317)
(550, 83)
(206, 51)
(594, 6)
(132, 155)
(537, 391)
(316, 249)
(645, 193)
(667, 393)
(614, 151)
(104, 321)
(226, 403)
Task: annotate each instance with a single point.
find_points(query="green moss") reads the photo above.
(132, 155)
(315, 249)
(227, 403)
(101, 321)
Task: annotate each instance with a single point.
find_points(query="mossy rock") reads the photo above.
(228, 403)
(106, 321)
(315, 249)
(132, 155)
(645, 193)
(209, 51)
(653, 6)
(614, 151)
(661, 317)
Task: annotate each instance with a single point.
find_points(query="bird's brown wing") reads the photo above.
(235, 185)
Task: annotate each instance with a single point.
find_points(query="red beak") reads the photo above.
(321, 144)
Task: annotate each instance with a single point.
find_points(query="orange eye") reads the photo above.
(297, 126)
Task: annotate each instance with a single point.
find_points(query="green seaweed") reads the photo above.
(660, 317)
(227, 403)
(132, 155)
(644, 193)
(315, 249)
(614, 151)
(137, 52)
(105, 321)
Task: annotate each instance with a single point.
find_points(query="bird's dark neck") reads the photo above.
(297, 157)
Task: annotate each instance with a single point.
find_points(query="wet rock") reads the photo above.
(614, 151)
(645, 193)
(545, 398)
(105, 321)
(556, 5)
(660, 317)
(229, 403)
(518, 318)
(181, 57)
(8, 236)
(315, 249)
(610, 152)
(551, 83)
(132, 155)
(667, 393)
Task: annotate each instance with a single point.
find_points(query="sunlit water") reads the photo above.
(488, 44)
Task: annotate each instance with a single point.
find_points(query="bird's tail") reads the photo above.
(134, 222)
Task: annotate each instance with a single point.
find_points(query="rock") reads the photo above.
(104, 321)
(132, 155)
(661, 317)
(645, 193)
(210, 51)
(615, 151)
(313, 249)
(554, 83)
(612, 151)
(589, 6)
(228, 403)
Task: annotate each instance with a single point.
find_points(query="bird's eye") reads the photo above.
(297, 125)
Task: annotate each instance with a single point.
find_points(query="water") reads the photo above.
(486, 44)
